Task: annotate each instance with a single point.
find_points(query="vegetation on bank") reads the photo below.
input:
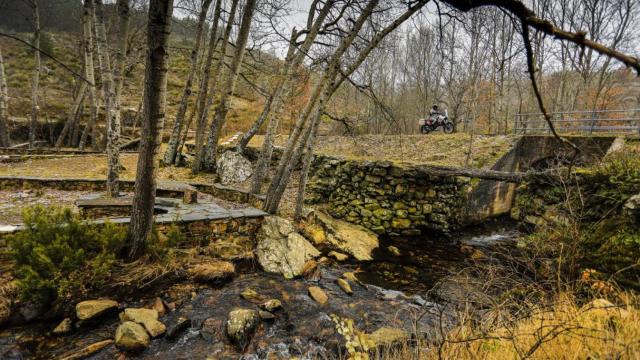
(60, 257)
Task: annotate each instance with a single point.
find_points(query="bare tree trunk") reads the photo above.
(122, 7)
(111, 106)
(159, 28)
(35, 80)
(170, 153)
(225, 99)
(4, 104)
(207, 99)
(87, 25)
(256, 125)
(308, 159)
(73, 111)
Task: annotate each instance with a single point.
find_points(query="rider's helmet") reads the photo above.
(435, 107)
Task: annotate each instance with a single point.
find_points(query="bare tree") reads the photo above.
(201, 121)
(170, 153)
(35, 79)
(111, 106)
(158, 31)
(4, 102)
(87, 41)
(220, 116)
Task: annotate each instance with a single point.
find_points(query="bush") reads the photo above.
(59, 257)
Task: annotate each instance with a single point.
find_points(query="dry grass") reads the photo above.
(436, 149)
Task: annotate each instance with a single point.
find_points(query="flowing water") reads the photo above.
(392, 294)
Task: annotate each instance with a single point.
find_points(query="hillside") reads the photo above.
(57, 85)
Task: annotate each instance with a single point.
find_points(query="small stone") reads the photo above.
(266, 315)
(318, 295)
(211, 327)
(399, 223)
(352, 277)
(90, 309)
(394, 250)
(309, 268)
(338, 256)
(241, 324)
(64, 327)
(132, 337)
(147, 317)
(158, 306)
(251, 295)
(174, 329)
(344, 285)
(315, 233)
(271, 305)
(215, 271)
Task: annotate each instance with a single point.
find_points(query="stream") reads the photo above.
(392, 293)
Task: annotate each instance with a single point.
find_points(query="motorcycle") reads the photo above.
(435, 121)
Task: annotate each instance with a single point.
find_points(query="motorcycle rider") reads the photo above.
(434, 111)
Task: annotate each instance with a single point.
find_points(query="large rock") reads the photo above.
(232, 167)
(147, 318)
(90, 309)
(348, 238)
(282, 250)
(131, 336)
(241, 324)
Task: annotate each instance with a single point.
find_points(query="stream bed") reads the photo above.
(392, 293)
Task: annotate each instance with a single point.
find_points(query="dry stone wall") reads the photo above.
(388, 198)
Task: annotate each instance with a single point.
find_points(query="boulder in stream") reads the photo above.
(86, 310)
(147, 318)
(241, 325)
(282, 250)
(233, 167)
(132, 337)
(342, 236)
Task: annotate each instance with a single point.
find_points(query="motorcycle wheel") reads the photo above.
(448, 127)
(424, 129)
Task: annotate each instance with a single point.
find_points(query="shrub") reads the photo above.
(59, 257)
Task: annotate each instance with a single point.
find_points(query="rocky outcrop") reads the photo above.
(345, 237)
(241, 325)
(132, 337)
(281, 249)
(86, 310)
(232, 167)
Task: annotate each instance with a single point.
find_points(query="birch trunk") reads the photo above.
(122, 7)
(253, 130)
(87, 26)
(170, 153)
(73, 111)
(4, 106)
(225, 99)
(159, 28)
(207, 100)
(308, 160)
(108, 87)
(35, 80)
